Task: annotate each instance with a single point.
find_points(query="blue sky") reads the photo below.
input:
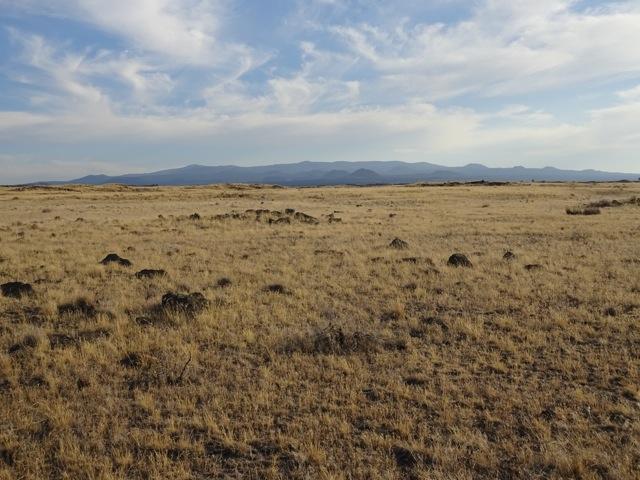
(117, 86)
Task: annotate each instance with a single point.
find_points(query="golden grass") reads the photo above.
(374, 363)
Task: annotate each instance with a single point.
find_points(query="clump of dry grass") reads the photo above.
(583, 211)
(318, 351)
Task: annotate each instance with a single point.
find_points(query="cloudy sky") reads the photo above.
(116, 86)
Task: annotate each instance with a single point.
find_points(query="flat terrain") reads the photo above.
(319, 350)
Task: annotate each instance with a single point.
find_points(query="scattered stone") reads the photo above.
(459, 260)
(533, 266)
(80, 307)
(276, 288)
(16, 289)
(190, 303)
(508, 256)
(194, 216)
(150, 273)
(223, 282)
(115, 258)
(399, 244)
(131, 360)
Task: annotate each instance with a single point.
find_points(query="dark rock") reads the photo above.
(190, 303)
(399, 244)
(150, 273)
(289, 211)
(508, 256)
(115, 258)
(16, 289)
(459, 260)
(610, 312)
(533, 266)
(194, 216)
(223, 282)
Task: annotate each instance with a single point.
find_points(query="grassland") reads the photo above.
(368, 362)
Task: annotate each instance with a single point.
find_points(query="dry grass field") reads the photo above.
(326, 353)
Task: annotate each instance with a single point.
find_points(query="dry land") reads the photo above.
(319, 346)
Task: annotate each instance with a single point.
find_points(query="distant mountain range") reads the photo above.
(349, 173)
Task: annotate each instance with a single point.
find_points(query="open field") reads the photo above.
(327, 353)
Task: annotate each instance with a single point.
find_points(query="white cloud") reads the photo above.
(506, 47)
(182, 29)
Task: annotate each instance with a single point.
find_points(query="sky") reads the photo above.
(126, 86)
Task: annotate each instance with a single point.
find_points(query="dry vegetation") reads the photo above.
(318, 349)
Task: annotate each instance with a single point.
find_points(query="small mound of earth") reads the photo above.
(150, 273)
(459, 260)
(276, 288)
(115, 258)
(80, 307)
(16, 289)
(399, 244)
(508, 256)
(533, 266)
(190, 303)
